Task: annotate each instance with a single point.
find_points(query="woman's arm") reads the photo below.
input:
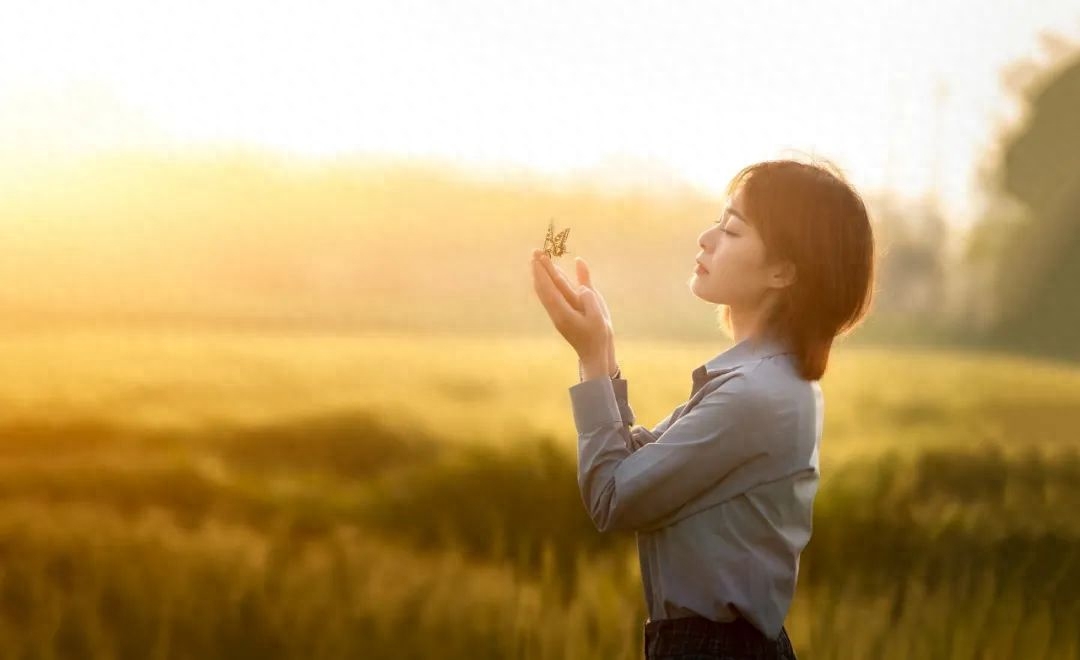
(702, 450)
(639, 435)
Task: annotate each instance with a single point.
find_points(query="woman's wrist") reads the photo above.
(595, 368)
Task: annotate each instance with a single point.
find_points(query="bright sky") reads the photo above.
(696, 88)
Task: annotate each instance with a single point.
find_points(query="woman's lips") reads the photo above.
(699, 269)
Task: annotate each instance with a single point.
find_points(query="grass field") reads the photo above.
(198, 495)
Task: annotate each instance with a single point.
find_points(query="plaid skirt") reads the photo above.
(698, 638)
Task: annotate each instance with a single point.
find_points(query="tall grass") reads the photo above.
(944, 527)
(89, 579)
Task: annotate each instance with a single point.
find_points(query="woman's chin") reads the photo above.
(694, 283)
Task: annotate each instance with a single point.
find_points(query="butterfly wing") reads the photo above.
(560, 242)
(549, 241)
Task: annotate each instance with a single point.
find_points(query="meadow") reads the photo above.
(198, 494)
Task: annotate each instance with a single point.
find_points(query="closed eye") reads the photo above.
(717, 222)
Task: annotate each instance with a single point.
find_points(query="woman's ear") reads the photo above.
(783, 274)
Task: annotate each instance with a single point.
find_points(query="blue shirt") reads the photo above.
(720, 492)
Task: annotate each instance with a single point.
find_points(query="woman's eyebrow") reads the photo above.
(732, 211)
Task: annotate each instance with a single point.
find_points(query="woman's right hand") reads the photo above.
(573, 296)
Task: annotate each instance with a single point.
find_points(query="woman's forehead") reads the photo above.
(735, 201)
(734, 208)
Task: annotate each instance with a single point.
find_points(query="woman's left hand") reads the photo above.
(587, 328)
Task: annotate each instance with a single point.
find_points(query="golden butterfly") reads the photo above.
(555, 244)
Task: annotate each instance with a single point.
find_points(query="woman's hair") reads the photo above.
(809, 214)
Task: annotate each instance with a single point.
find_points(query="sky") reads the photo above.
(906, 95)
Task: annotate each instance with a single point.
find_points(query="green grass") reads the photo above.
(366, 497)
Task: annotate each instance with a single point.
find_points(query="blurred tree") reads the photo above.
(1031, 229)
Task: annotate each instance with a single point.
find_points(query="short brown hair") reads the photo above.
(808, 213)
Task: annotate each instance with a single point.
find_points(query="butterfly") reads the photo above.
(555, 244)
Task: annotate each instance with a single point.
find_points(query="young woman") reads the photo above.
(720, 492)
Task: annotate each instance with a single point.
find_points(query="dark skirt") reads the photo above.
(698, 638)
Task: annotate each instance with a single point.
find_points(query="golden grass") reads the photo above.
(238, 495)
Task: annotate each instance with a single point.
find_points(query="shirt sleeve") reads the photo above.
(626, 489)
(626, 413)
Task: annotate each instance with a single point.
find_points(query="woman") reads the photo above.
(720, 492)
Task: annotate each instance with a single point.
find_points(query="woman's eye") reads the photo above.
(723, 221)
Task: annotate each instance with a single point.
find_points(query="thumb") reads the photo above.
(583, 275)
(591, 303)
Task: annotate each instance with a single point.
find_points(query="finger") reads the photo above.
(583, 275)
(556, 305)
(559, 277)
(585, 278)
(569, 291)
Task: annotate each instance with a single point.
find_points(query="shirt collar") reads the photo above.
(742, 352)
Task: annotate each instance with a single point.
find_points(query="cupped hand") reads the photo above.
(578, 313)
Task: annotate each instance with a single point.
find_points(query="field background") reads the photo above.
(276, 383)
(283, 495)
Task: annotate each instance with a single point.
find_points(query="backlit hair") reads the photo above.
(809, 214)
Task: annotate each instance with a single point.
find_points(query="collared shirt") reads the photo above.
(720, 492)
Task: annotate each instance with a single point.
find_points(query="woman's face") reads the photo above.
(733, 254)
